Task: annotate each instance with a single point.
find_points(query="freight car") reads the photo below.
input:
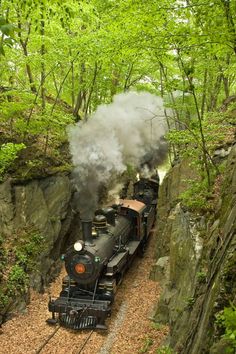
(96, 265)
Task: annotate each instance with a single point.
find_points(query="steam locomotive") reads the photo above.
(95, 265)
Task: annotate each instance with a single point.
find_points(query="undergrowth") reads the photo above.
(17, 260)
(226, 320)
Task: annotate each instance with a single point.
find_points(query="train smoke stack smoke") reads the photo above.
(130, 131)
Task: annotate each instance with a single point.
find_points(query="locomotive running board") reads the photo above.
(133, 246)
(117, 262)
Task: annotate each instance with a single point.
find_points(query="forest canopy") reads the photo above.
(61, 59)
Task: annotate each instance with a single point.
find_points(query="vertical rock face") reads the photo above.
(42, 205)
(201, 272)
(184, 250)
(6, 208)
(175, 182)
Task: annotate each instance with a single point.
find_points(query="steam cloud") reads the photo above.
(128, 131)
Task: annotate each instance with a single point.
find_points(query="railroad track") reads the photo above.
(38, 351)
(83, 345)
(85, 342)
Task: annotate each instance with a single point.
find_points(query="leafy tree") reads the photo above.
(7, 31)
(72, 56)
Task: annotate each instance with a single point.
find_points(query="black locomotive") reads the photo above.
(96, 264)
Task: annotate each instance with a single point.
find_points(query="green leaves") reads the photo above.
(79, 54)
(227, 319)
(8, 153)
(196, 196)
(19, 261)
(18, 280)
(7, 34)
(7, 29)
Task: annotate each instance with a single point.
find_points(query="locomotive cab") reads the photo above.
(134, 210)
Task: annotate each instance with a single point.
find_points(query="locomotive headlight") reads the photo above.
(78, 246)
(80, 268)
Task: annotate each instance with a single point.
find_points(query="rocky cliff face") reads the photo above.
(196, 262)
(42, 206)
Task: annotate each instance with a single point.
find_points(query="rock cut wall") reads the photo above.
(196, 262)
(42, 205)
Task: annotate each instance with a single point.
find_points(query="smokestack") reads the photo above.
(87, 231)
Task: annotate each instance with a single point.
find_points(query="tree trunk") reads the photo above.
(80, 95)
(42, 51)
(230, 21)
(128, 76)
(215, 93)
(163, 77)
(91, 89)
(199, 116)
(115, 82)
(23, 44)
(72, 82)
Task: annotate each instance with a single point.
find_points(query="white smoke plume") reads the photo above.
(128, 131)
(113, 194)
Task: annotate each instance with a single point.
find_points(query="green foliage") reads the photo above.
(197, 143)
(31, 165)
(164, 350)
(18, 280)
(148, 342)
(52, 125)
(8, 153)
(70, 57)
(201, 277)
(182, 138)
(66, 167)
(7, 34)
(14, 104)
(21, 115)
(195, 197)
(215, 130)
(25, 253)
(227, 320)
(190, 302)
(4, 299)
(3, 257)
(157, 326)
(130, 172)
(28, 249)
(41, 130)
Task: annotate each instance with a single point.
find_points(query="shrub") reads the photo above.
(8, 153)
(227, 320)
(18, 280)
